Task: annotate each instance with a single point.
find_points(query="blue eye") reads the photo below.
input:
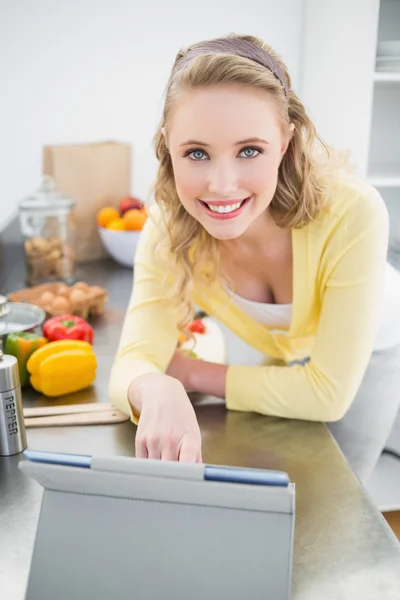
(250, 152)
(196, 154)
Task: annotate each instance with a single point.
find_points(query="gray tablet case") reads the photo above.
(121, 528)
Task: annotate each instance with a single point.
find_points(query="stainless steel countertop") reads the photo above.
(343, 547)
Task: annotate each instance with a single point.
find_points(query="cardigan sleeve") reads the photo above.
(352, 268)
(150, 334)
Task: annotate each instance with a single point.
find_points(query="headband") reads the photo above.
(237, 47)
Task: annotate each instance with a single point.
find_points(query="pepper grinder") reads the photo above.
(12, 426)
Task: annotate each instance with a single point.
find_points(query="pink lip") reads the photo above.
(223, 216)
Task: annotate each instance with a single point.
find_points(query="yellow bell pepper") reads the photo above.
(62, 367)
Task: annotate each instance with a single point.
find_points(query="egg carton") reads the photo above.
(57, 298)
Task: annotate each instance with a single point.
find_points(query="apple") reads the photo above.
(129, 203)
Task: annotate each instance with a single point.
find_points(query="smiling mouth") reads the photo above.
(220, 209)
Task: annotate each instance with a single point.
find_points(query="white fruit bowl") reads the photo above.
(120, 245)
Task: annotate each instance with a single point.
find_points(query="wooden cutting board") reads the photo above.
(66, 409)
(72, 415)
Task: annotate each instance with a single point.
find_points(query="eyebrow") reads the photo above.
(240, 143)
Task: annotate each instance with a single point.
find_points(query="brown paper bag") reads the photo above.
(95, 175)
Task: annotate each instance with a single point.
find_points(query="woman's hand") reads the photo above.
(198, 375)
(181, 367)
(167, 428)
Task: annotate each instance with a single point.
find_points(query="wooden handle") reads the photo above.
(68, 409)
(94, 418)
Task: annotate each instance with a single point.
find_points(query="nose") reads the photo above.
(222, 179)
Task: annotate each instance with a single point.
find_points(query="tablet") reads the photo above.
(119, 527)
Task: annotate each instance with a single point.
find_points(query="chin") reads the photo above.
(225, 232)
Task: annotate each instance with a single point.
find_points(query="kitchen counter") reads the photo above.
(343, 547)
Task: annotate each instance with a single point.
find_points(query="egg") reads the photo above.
(60, 305)
(94, 291)
(81, 285)
(78, 298)
(46, 298)
(62, 290)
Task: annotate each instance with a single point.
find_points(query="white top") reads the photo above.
(278, 317)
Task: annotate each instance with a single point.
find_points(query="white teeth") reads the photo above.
(225, 209)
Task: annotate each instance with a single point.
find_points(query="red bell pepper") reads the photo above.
(68, 327)
(196, 326)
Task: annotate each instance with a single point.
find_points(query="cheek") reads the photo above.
(189, 181)
(261, 178)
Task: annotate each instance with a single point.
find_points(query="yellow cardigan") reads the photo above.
(338, 268)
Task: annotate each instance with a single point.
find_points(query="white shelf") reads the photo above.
(384, 181)
(384, 484)
(384, 175)
(383, 77)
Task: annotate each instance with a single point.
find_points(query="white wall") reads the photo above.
(337, 72)
(75, 71)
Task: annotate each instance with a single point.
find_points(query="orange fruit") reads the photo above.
(134, 219)
(106, 215)
(117, 224)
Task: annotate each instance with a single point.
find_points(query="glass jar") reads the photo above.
(49, 235)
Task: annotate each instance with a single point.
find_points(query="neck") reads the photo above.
(262, 233)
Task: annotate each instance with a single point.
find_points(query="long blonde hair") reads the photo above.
(306, 173)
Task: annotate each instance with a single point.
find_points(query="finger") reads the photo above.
(189, 451)
(169, 449)
(153, 447)
(140, 447)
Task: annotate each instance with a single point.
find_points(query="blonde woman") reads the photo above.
(259, 224)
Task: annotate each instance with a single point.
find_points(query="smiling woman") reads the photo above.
(264, 227)
(222, 179)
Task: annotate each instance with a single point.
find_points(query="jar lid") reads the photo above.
(20, 316)
(9, 374)
(46, 197)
